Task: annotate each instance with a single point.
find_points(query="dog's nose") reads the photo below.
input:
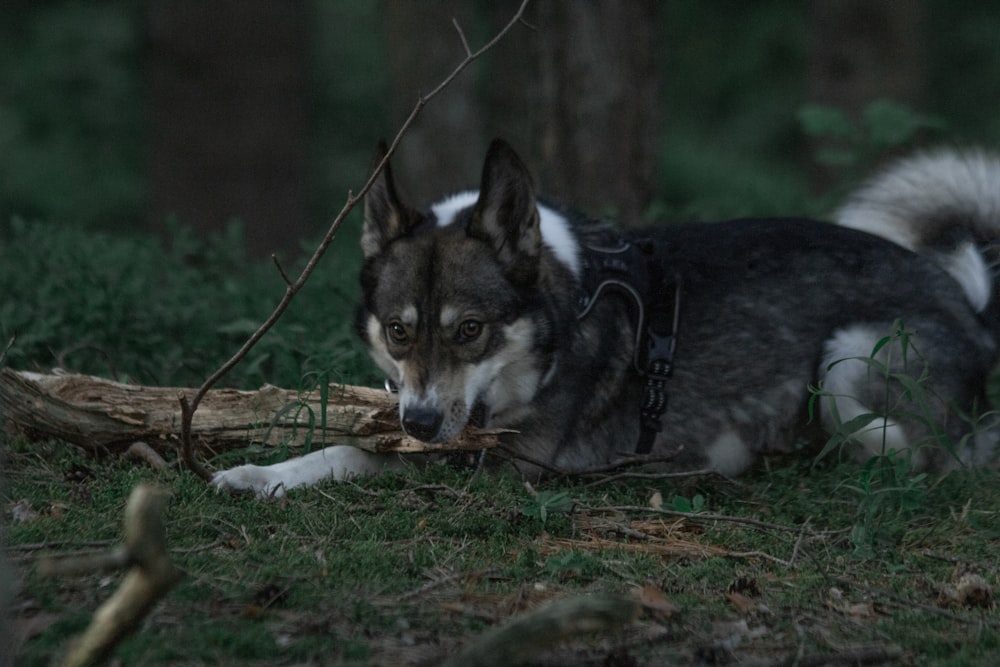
(422, 423)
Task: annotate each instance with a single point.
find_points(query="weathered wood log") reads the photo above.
(102, 415)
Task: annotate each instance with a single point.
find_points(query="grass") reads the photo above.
(169, 314)
(405, 568)
(889, 485)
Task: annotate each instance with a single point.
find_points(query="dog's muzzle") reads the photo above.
(422, 423)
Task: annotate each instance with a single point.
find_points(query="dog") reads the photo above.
(694, 345)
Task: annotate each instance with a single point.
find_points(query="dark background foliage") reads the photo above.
(154, 152)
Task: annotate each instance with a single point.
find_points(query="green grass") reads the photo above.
(405, 568)
(406, 565)
(169, 314)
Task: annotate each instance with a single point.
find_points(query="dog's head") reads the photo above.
(445, 297)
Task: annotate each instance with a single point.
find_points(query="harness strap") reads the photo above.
(661, 340)
(633, 270)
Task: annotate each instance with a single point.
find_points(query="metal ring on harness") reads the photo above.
(632, 292)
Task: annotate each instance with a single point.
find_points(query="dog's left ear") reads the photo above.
(506, 215)
(386, 217)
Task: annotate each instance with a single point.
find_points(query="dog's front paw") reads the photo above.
(263, 481)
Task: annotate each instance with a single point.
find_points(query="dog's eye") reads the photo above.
(397, 333)
(469, 330)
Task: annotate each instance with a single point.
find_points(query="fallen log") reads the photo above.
(105, 416)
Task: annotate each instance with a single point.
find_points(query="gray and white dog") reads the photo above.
(692, 343)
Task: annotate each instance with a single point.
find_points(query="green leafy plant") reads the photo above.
(569, 565)
(905, 377)
(543, 503)
(694, 504)
(888, 486)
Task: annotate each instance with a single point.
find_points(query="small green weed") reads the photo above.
(571, 565)
(542, 503)
(694, 504)
(888, 487)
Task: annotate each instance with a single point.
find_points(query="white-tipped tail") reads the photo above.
(943, 204)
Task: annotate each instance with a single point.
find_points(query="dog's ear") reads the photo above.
(386, 217)
(506, 215)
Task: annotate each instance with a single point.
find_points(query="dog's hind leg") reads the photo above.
(339, 462)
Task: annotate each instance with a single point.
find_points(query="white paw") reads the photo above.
(263, 481)
(338, 462)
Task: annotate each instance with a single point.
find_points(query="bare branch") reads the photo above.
(151, 576)
(624, 461)
(461, 36)
(189, 407)
(6, 349)
(141, 451)
(607, 479)
(709, 517)
(281, 270)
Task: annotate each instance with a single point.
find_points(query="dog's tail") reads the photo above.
(944, 205)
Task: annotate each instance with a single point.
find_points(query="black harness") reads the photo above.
(635, 270)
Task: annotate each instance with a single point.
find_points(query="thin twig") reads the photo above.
(6, 349)
(761, 554)
(188, 407)
(67, 565)
(625, 461)
(607, 479)
(89, 545)
(907, 603)
(281, 270)
(141, 451)
(798, 540)
(438, 582)
(705, 517)
(461, 36)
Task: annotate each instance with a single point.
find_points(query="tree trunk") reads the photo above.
(861, 51)
(228, 123)
(599, 100)
(100, 415)
(443, 150)
(574, 90)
